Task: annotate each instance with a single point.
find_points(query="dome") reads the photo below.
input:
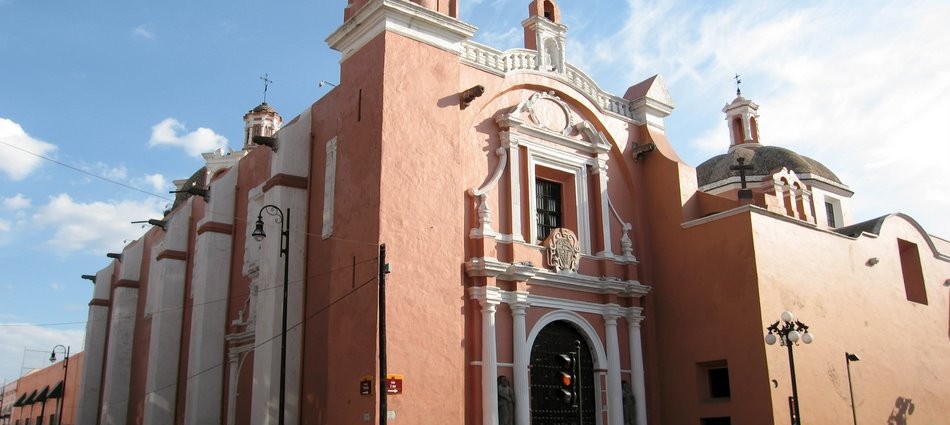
(263, 107)
(765, 161)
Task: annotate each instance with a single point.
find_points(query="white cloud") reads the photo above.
(860, 86)
(4, 225)
(16, 202)
(29, 346)
(158, 182)
(144, 31)
(195, 143)
(94, 227)
(14, 159)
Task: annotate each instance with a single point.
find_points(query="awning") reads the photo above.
(19, 401)
(42, 396)
(30, 399)
(57, 391)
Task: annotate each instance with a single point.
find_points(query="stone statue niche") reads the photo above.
(506, 402)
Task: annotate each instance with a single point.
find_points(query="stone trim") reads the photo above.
(286, 180)
(126, 283)
(216, 227)
(98, 302)
(172, 254)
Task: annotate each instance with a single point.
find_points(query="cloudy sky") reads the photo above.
(104, 104)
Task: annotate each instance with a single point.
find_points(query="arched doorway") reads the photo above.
(546, 408)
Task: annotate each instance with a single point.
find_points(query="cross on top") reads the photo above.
(738, 81)
(266, 82)
(741, 168)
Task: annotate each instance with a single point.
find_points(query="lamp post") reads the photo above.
(258, 234)
(848, 358)
(788, 332)
(62, 396)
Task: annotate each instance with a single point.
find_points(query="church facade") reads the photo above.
(547, 259)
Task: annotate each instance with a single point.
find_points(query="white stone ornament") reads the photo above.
(564, 250)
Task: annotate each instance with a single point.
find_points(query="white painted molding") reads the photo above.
(401, 17)
(526, 61)
(526, 272)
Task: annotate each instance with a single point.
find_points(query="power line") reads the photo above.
(86, 172)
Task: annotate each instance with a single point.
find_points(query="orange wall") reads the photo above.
(50, 376)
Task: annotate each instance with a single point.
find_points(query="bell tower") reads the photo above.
(446, 7)
(263, 120)
(543, 32)
(743, 118)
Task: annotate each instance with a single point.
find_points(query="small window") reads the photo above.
(549, 207)
(830, 214)
(716, 421)
(713, 380)
(913, 274)
(718, 382)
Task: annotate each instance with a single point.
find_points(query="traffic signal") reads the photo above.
(566, 391)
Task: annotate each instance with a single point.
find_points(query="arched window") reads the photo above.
(737, 133)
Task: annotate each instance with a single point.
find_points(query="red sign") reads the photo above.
(393, 384)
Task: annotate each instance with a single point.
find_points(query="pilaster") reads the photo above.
(167, 288)
(521, 357)
(488, 297)
(94, 348)
(209, 292)
(636, 365)
(118, 361)
(614, 389)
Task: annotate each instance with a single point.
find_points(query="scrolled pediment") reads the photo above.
(545, 116)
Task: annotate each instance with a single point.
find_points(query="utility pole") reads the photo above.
(383, 382)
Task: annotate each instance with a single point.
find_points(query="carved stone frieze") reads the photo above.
(564, 250)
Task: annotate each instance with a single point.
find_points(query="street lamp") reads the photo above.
(259, 235)
(790, 332)
(848, 358)
(62, 395)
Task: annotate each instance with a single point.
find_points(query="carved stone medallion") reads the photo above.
(564, 250)
(549, 112)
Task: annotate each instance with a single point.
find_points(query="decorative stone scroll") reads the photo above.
(564, 250)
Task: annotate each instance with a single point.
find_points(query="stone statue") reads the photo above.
(506, 402)
(629, 404)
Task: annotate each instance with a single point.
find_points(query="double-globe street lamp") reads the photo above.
(62, 394)
(788, 332)
(258, 234)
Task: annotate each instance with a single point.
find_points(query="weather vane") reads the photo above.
(738, 81)
(266, 82)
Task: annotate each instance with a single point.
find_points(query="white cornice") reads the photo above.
(493, 295)
(527, 272)
(404, 18)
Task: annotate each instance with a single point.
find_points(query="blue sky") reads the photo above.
(134, 91)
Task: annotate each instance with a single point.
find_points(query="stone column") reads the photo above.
(210, 279)
(489, 364)
(117, 373)
(286, 189)
(95, 346)
(614, 390)
(636, 366)
(521, 354)
(118, 368)
(166, 292)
